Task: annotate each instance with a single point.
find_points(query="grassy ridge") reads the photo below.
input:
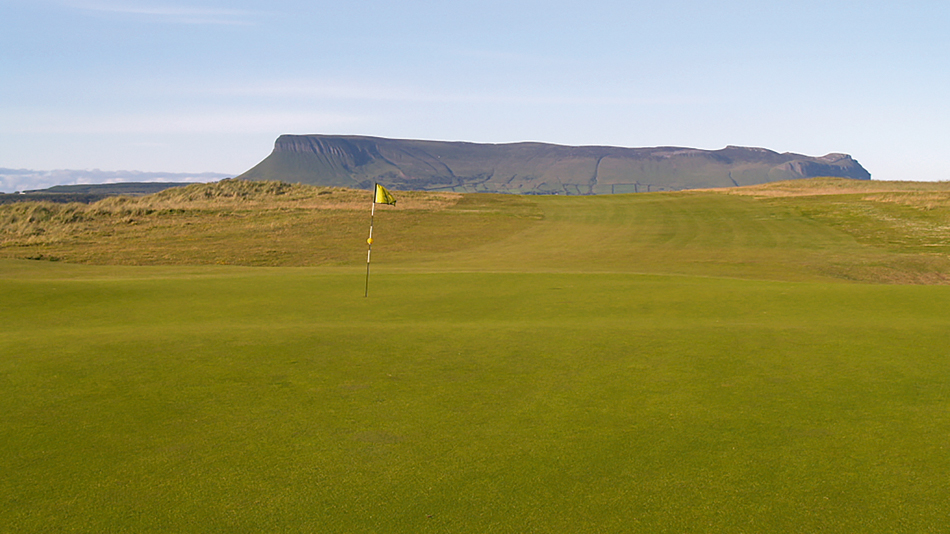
(251, 223)
(806, 229)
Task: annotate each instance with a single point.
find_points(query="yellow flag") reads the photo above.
(383, 196)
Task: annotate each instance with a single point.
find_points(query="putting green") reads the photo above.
(228, 399)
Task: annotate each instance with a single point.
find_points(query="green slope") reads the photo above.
(877, 232)
(210, 399)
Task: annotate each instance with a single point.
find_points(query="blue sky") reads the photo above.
(193, 86)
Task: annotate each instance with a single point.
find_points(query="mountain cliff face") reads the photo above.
(532, 168)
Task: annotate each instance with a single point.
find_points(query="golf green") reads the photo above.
(232, 399)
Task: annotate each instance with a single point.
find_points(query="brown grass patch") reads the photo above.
(919, 200)
(240, 222)
(233, 193)
(834, 186)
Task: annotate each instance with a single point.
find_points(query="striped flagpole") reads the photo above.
(380, 196)
(369, 243)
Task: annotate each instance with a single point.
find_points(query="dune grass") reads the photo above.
(691, 362)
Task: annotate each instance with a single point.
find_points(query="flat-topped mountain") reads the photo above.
(532, 168)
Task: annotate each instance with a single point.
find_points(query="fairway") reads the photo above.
(653, 363)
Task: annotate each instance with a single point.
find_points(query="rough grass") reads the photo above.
(834, 186)
(903, 227)
(47, 222)
(228, 222)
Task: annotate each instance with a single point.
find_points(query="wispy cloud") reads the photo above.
(356, 91)
(171, 13)
(162, 123)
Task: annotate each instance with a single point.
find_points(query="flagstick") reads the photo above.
(369, 244)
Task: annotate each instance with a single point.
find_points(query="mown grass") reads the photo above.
(690, 362)
(804, 237)
(228, 399)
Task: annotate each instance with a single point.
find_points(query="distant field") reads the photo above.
(690, 362)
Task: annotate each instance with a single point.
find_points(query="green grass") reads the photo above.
(656, 363)
(247, 400)
(873, 232)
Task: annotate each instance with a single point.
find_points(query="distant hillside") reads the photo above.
(28, 179)
(125, 188)
(88, 193)
(532, 168)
